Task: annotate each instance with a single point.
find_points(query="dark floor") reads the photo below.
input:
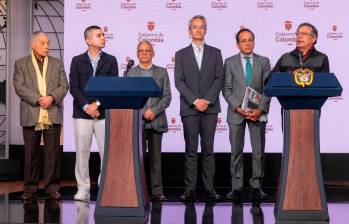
(13, 210)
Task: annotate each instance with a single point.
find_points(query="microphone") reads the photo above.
(129, 65)
(300, 59)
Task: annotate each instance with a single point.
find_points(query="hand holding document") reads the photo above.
(252, 100)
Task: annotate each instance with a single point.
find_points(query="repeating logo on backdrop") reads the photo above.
(221, 127)
(128, 5)
(286, 37)
(107, 34)
(265, 4)
(334, 34)
(173, 5)
(170, 65)
(151, 25)
(219, 4)
(288, 25)
(311, 4)
(83, 5)
(173, 126)
(150, 35)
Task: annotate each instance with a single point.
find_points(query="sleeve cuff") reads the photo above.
(84, 107)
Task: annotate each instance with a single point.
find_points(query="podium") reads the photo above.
(301, 195)
(122, 195)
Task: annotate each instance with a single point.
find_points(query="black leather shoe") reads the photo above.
(211, 195)
(257, 196)
(188, 196)
(235, 196)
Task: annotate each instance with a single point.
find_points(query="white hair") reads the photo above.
(35, 35)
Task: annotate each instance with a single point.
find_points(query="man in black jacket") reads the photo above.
(88, 113)
(305, 55)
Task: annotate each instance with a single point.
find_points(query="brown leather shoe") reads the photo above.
(54, 196)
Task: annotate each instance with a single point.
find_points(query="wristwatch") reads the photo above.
(98, 103)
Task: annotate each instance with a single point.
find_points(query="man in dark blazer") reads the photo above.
(41, 84)
(154, 115)
(88, 113)
(199, 80)
(246, 69)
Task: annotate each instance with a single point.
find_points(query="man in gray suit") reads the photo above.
(199, 80)
(242, 70)
(41, 84)
(154, 115)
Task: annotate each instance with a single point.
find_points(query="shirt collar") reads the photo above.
(98, 55)
(38, 58)
(151, 66)
(196, 46)
(245, 55)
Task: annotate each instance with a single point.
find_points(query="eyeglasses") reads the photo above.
(303, 34)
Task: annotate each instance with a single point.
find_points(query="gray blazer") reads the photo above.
(157, 105)
(193, 83)
(26, 87)
(235, 84)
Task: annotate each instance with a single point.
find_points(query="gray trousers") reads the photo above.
(203, 125)
(257, 138)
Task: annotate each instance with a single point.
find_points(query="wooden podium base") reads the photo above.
(122, 191)
(301, 195)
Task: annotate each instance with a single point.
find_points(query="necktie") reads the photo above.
(248, 71)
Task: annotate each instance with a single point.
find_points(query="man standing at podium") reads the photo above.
(88, 113)
(305, 55)
(246, 70)
(154, 115)
(199, 80)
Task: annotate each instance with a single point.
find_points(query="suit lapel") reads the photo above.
(48, 72)
(138, 70)
(157, 73)
(255, 67)
(87, 60)
(205, 57)
(191, 56)
(156, 77)
(240, 69)
(101, 62)
(32, 73)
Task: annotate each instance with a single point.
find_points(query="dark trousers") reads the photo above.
(152, 140)
(203, 125)
(52, 153)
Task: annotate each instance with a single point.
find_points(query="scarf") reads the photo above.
(43, 121)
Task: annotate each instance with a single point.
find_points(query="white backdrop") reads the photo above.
(165, 24)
